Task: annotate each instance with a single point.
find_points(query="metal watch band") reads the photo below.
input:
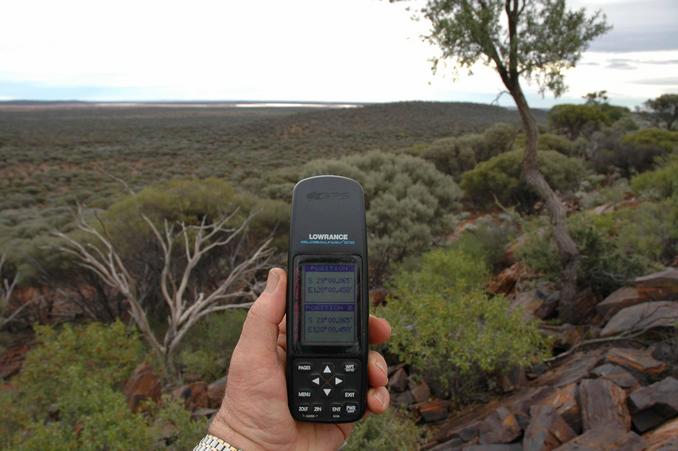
(212, 443)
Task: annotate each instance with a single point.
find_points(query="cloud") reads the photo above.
(663, 81)
(638, 26)
(623, 64)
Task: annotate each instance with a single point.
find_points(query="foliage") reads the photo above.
(547, 38)
(500, 178)
(576, 120)
(486, 240)
(409, 203)
(67, 396)
(172, 415)
(663, 109)
(389, 431)
(661, 183)
(206, 351)
(614, 247)
(456, 155)
(629, 153)
(442, 318)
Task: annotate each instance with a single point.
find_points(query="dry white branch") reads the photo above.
(186, 304)
(7, 287)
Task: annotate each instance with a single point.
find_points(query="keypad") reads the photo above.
(326, 389)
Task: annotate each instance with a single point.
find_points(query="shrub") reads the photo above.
(500, 178)
(390, 431)
(172, 415)
(630, 153)
(614, 247)
(207, 349)
(575, 120)
(661, 183)
(456, 155)
(443, 321)
(409, 203)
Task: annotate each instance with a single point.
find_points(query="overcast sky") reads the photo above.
(307, 50)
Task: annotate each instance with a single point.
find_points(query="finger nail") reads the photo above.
(381, 395)
(272, 281)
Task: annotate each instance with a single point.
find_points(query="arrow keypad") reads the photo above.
(326, 389)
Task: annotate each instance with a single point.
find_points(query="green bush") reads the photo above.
(615, 150)
(443, 321)
(456, 155)
(409, 203)
(660, 183)
(67, 396)
(575, 120)
(207, 349)
(500, 178)
(614, 247)
(387, 432)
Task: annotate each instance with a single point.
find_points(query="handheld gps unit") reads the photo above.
(327, 303)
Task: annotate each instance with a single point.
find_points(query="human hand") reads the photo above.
(254, 414)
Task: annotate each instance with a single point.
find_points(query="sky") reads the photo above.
(295, 50)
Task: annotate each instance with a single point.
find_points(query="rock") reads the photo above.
(654, 404)
(393, 368)
(398, 380)
(617, 375)
(662, 285)
(565, 336)
(194, 395)
(12, 360)
(585, 306)
(505, 281)
(528, 303)
(378, 296)
(512, 379)
(215, 392)
(603, 404)
(403, 399)
(434, 410)
(571, 369)
(500, 427)
(511, 447)
(564, 402)
(622, 298)
(642, 316)
(202, 412)
(450, 445)
(420, 392)
(663, 438)
(547, 430)
(640, 360)
(143, 384)
(605, 438)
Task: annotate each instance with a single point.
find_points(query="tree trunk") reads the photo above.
(567, 249)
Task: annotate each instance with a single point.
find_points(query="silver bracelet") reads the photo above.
(212, 443)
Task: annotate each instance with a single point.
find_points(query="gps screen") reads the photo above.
(329, 303)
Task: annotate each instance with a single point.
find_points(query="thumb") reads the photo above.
(260, 331)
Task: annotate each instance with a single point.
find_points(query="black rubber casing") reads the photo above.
(328, 205)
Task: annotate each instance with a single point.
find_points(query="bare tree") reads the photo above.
(187, 300)
(7, 286)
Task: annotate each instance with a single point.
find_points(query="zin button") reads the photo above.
(317, 409)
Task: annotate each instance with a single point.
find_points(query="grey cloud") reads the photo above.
(620, 64)
(639, 26)
(663, 81)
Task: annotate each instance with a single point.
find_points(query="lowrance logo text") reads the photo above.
(328, 236)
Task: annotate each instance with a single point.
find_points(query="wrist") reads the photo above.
(219, 427)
